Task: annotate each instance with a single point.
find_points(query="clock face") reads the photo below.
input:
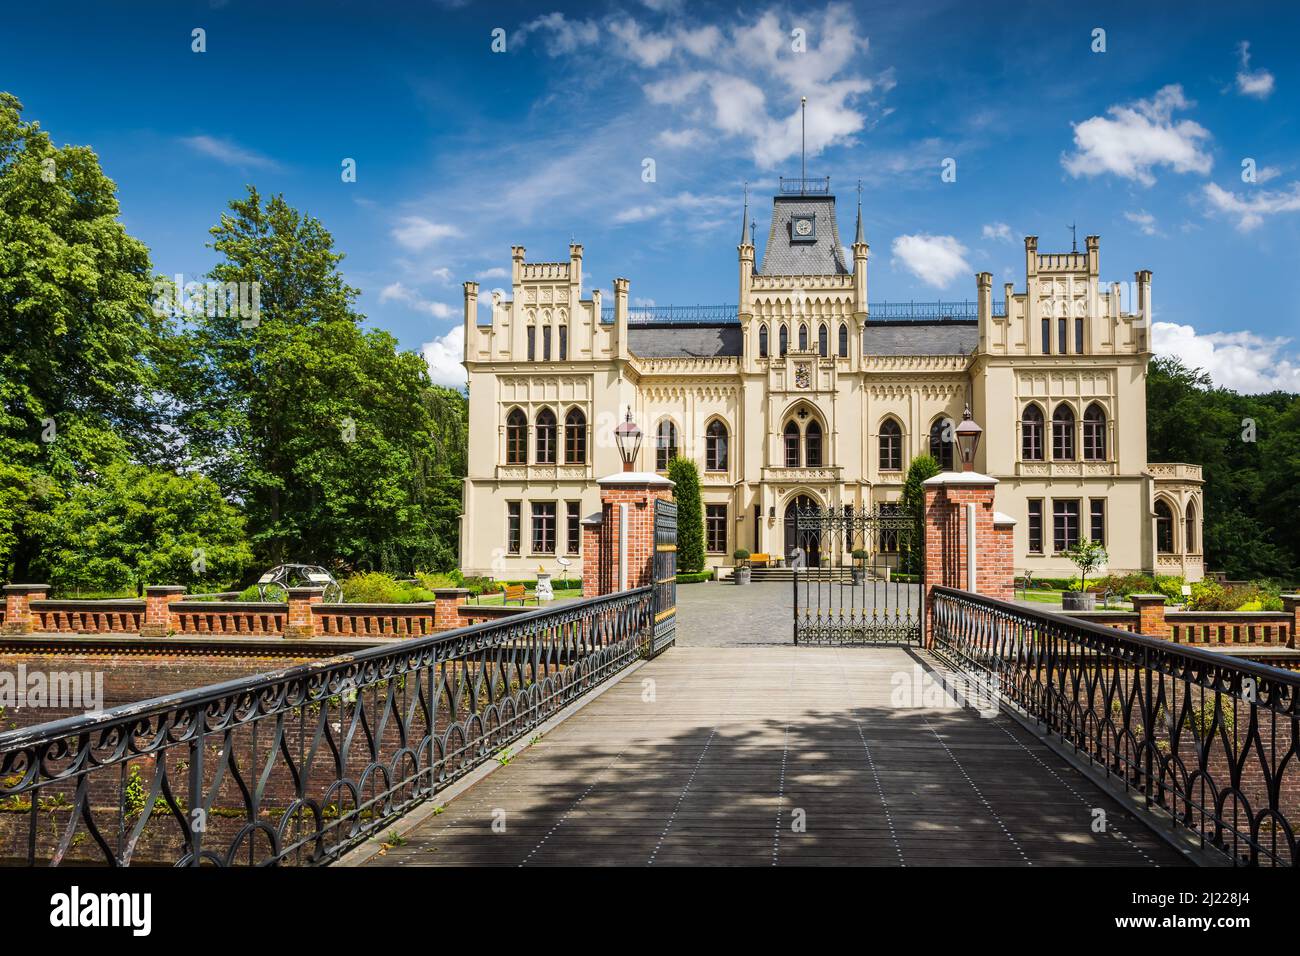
(803, 227)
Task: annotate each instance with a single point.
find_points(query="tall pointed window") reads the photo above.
(715, 446)
(762, 341)
(665, 444)
(546, 437)
(1047, 336)
(546, 343)
(942, 439)
(783, 340)
(812, 450)
(844, 340)
(1094, 433)
(516, 438)
(1189, 530)
(563, 333)
(891, 446)
(823, 341)
(1164, 528)
(532, 343)
(1031, 433)
(575, 438)
(791, 437)
(1063, 433)
(803, 338)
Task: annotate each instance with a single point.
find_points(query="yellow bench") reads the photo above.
(760, 560)
(514, 592)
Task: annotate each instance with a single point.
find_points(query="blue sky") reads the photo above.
(462, 151)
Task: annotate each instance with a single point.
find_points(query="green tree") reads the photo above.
(1248, 447)
(335, 442)
(136, 525)
(78, 335)
(690, 515)
(923, 467)
(1087, 556)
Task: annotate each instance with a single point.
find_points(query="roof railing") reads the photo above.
(796, 186)
(962, 310)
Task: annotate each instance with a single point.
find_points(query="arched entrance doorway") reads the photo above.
(810, 541)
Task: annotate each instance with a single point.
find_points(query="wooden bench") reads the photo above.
(760, 560)
(514, 592)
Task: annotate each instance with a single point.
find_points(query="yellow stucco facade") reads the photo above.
(805, 391)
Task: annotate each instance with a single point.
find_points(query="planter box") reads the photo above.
(741, 576)
(1078, 601)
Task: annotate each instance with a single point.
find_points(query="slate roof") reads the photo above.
(822, 257)
(683, 341)
(882, 338)
(953, 337)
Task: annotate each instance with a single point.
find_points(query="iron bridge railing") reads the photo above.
(299, 765)
(1207, 742)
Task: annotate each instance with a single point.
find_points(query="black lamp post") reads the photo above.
(968, 440)
(628, 438)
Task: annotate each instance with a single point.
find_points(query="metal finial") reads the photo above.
(1074, 241)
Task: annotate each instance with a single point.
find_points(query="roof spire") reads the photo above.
(859, 237)
(744, 221)
(803, 143)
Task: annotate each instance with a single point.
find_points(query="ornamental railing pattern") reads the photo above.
(299, 765)
(1207, 742)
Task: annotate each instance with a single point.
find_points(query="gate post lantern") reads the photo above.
(627, 436)
(968, 439)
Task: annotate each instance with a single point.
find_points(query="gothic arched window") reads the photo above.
(575, 438)
(665, 444)
(715, 446)
(823, 341)
(546, 437)
(791, 437)
(783, 340)
(762, 341)
(517, 438)
(1164, 528)
(891, 446)
(803, 338)
(1063, 433)
(1094, 433)
(844, 340)
(812, 451)
(941, 442)
(1031, 433)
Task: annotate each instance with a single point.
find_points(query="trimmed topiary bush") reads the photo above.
(690, 515)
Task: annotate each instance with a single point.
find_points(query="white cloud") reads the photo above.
(561, 35)
(686, 201)
(1258, 83)
(496, 272)
(416, 232)
(746, 83)
(444, 356)
(999, 231)
(1265, 173)
(1242, 361)
(228, 152)
(396, 292)
(681, 139)
(647, 48)
(1250, 210)
(1144, 220)
(935, 260)
(1138, 137)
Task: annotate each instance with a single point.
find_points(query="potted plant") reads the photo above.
(860, 566)
(742, 566)
(1087, 556)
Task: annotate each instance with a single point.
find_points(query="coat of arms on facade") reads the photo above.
(801, 375)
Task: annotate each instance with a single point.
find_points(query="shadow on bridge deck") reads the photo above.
(714, 756)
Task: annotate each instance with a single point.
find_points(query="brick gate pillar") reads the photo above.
(18, 612)
(969, 544)
(618, 545)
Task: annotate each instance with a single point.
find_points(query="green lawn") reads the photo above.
(561, 594)
(1040, 596)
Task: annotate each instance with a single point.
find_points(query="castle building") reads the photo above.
(805, 393)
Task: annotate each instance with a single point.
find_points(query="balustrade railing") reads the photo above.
(299, 765)
(1206, 741)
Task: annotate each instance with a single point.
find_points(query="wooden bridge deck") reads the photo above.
(716, 755)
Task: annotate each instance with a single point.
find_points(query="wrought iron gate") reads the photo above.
(664, 571)
(865, 584)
